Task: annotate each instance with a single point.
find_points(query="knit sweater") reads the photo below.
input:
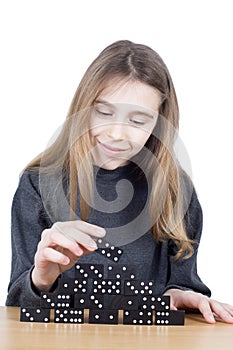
(120, 206)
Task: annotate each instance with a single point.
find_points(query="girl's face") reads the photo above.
(123, 118)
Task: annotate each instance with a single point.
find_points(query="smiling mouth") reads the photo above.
(111, 149)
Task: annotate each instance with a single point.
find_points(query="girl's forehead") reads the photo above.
(132, 92)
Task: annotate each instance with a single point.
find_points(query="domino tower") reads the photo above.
(98, 296)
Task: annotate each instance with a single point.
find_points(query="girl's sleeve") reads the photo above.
(29, 219)
(183, 274)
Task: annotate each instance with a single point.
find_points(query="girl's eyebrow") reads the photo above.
(103, 102)
(147, 114)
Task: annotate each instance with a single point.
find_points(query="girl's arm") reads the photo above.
(183, 273)
(184, 286)
(42, 251)
(28, 220)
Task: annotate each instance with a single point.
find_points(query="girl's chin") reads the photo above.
(111, 164)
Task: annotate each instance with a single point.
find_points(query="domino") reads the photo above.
(122, 302)
(170, 318)
(86, 271)
(107, 286)
(157, 303)
(138, 317)
(93, 301)
(109, 251)
(136, 287)
(69, 315)
(52, 300)
(103, 316)
(34, 315)
(120, 272)
(73, 285)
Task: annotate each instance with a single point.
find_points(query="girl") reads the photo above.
(112, 174)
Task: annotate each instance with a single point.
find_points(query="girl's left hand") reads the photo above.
(209, 308)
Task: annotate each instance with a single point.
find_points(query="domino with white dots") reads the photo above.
(170, 318)
(73, 285)
(121, 272)
(103, 316)
(107, 286)
(158, 303)
(137, 287)
(69, 315)
(86, 271)
(138, 317)
(93, 301)
(109, 251)
(54, 300)
(122, 302)
(34, 315)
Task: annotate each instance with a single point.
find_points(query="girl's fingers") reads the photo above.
(209, 308)
(53, 239)
(54, 256)
(172, 307)
(83, 239)
(205, 309)
(90, 229)
(73, 227)
(77, 234)
(224, 311)
(67, 237)
(65, 241)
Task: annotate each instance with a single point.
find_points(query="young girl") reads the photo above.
(112, 174)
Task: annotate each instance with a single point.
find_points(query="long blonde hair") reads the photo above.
(125, 60)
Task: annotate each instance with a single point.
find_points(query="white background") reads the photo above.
(46, 47)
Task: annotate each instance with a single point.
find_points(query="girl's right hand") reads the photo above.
(60, 248)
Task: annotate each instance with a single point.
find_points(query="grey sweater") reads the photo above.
(114, 211)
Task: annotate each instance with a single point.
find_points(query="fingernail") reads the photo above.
(101, 231)
(79, 252)
(93, 246)
(66, 260)
(212, 319)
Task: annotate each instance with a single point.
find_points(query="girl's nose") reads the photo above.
(116, 131)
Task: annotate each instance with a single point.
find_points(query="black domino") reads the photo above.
(107, 286)
(152, 302)
(138, 317)
(93, 301)
(109, 251)
(69, 315)
(170, 318)
(86, 271)
(34, 314)
(73, 285)
(52, 300)
(136, 287)
(121, 272)
(103, 316)
(122, 302)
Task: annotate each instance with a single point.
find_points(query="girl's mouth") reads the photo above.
(109, 149)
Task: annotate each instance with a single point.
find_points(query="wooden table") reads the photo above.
(196, 334)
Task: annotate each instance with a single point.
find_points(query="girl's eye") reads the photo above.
(104, 113)
(137, 122)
